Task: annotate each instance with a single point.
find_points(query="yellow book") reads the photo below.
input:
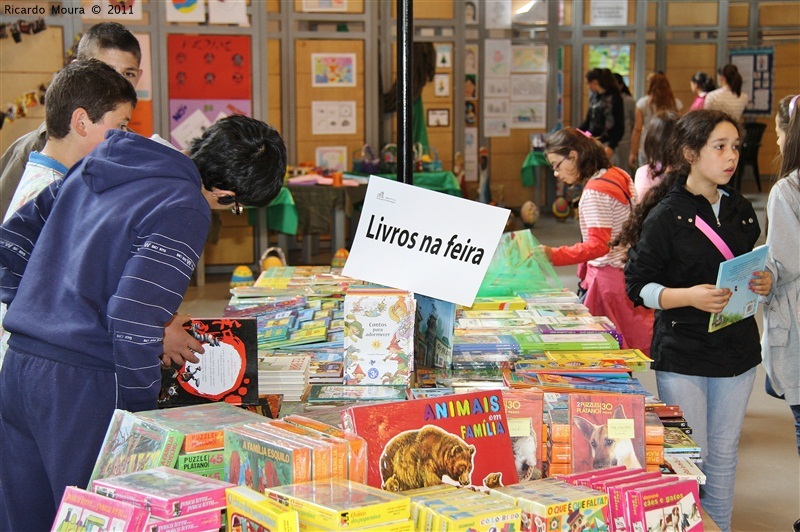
(250, 510)
(340, 504)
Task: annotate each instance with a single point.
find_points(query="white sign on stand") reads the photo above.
(423, 241)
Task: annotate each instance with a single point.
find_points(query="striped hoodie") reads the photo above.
(125, 228)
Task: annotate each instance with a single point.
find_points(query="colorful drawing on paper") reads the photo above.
(527, 58)
(188, 119)
(333, 70)
(185, 10)
(209, 67)
(528, 115)
(324, 5)
(332, 158)
(333, 118)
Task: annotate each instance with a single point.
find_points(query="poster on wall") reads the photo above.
(188, 119)
(209, 78)
(444, 56)
(471, 54)
(333, 70)
(209, 67)
(498, 14)
(755, 66)
(497, 88)
(529, 87)
(441, 85)
(528, 115)
(529, 58)
(228, 12)
(608, 13)
(331, 157)
(333, 118)
(471, 154)
(318, 6)
(615, 57)
(497, 62)
(497, 127)
(185, 10)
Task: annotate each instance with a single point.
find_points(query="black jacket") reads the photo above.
(673, 252)
(605, 119)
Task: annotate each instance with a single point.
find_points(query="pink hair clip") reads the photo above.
(792, 105)
(586, 134)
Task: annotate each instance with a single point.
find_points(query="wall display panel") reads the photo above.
(692, 13)
(329, 6)
(778, 13)
(209, 78)
(327, 94)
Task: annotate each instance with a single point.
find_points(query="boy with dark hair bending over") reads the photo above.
(124, 231)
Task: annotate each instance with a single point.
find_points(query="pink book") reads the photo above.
(598, 482)
(616, 491)
(84, 510)
(588, 480)
(619, 507)
(573, 478)
(165, 492)
(209, 520)
(672, 506)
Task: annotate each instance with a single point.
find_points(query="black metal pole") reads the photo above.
(405, 98)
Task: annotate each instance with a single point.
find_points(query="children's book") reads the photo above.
(256, 460)
(325, 393)
(201, 425)
(673, 506)
(249, 510)
(133, 443)
(227, 368)
(208, 520)
(635, 359)
(433, 332)
(525, 419)
(341, 505)
(460, 439)
(682, 467)
(201, 462)
(83, 510)
(378, 336)
(735, 275)
(677, 441)
(165, 492)
(606, 430)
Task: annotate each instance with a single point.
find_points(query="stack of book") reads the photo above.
(677, 442)
(284, 374)
(463, 510)
(176, 500)
(86, 510)
(249, 510)
(344, 505)
(201, 429)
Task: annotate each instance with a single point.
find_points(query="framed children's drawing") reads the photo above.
(438, 117)
(333, 70)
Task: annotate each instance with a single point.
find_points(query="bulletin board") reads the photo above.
(209, 78)
(755, 66)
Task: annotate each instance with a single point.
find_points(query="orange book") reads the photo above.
(339, 447)
(320, 451)
(357, 458)
(653, 429)
(559, 469)
(560, 453)
(654, 454)
(559, 425)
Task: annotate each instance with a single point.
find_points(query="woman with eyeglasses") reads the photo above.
(606, 203)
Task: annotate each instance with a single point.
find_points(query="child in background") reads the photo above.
(672, 268)
(701, 84)
(606, 203)
(780, 344)
(656, 152)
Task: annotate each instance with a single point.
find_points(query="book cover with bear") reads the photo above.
(462, 439)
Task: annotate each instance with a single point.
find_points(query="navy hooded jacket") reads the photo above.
(125, 229)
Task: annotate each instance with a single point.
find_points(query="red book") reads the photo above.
(460, 439)
(607, 430)
(524, 410)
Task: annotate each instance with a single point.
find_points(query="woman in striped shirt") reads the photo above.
(606, 203)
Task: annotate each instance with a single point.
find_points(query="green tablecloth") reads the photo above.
(534, 160)
(281, 213)
(438, 181)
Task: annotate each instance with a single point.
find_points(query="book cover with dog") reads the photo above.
(606, 430)
(461, 439)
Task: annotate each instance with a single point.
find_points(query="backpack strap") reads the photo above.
(713, 237)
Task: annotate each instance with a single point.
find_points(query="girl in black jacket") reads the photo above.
(672, 268)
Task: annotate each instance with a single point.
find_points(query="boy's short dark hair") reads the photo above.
(91, 85)
(107, 35)
(243, 155)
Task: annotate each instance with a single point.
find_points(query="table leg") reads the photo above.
(338, 240)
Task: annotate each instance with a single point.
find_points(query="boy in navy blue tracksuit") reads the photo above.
(124, 231)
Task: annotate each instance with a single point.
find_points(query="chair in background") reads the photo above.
(748, 152)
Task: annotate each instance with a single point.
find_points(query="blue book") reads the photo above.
(735, 274)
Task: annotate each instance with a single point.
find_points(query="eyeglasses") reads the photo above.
(233, 202)
(555, 166)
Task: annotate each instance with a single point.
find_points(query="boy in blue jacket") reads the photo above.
(89, 293)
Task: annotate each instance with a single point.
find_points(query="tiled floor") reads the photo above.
(768, 476)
